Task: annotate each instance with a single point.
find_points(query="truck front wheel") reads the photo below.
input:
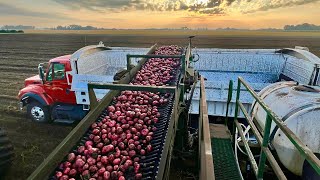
(38, 112)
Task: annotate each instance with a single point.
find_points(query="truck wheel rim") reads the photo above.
(37, 113)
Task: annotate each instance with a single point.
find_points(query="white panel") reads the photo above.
(298, 69)
(243, 61)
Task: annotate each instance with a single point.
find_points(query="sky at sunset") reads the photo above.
(160, 14)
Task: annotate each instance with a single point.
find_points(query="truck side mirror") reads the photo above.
(41, 73)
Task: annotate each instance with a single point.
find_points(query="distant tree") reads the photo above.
(17, 27)
(10, 31)
(302, 27)
(60, 28)
(76, 27)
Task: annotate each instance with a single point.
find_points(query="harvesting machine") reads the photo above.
(219, 108)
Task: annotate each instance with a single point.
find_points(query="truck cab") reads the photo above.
(59, 92)
(48, 96)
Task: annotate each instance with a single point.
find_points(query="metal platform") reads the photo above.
(225, 165)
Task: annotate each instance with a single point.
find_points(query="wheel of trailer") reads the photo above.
(6, 152)
(308, 173)
(38, 112)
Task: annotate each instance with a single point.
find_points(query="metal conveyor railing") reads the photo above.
(205, 149)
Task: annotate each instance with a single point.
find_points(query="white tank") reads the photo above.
(299, 107)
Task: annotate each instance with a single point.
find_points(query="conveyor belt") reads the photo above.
(149, 163)
(225, 165)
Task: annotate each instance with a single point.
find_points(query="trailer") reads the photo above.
(198, 92)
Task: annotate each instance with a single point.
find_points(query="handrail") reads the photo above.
(205, 150)
(229, 100)
(264, 141)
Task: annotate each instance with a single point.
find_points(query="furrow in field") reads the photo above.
(8, 91)
(15, 64)
(19, 58)
(14, 76)
(17, 69)
(13, 81)
(26, 53)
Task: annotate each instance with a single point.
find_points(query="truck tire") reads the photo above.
(38, 112)
(6, 152)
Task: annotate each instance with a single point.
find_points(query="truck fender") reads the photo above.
(28, 97)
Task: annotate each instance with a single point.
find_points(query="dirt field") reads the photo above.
(21, 53)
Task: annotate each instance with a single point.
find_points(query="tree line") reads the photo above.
(302, 27)
(16, 27)
(76, 27)
(10, 31)
(299, 27)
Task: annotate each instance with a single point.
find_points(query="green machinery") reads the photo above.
(177, 128)
(214, 157)
(263, 139)
(217, 139)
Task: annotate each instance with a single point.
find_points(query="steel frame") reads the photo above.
(264, 140)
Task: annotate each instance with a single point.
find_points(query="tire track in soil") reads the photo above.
(17, 69)
(22, 60)
(13, 80)
(32, 142)
(13, 76)
(15, 64)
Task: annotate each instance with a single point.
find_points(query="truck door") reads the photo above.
(56, 84)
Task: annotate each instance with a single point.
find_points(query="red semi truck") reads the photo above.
(52, 95)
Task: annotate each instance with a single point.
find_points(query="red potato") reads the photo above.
(108, 148)
(109, 169)
(91, 161)
(72, 172)
(116, 161)
(71, 157)
(59, 174)
(111, 109)
(64, 177)
(106, 175)
(85, 166)
(101, 171)
(79, 163)
(66, 170)
(93, 168)
(104, 160)
(114, 175)
(99, 165)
